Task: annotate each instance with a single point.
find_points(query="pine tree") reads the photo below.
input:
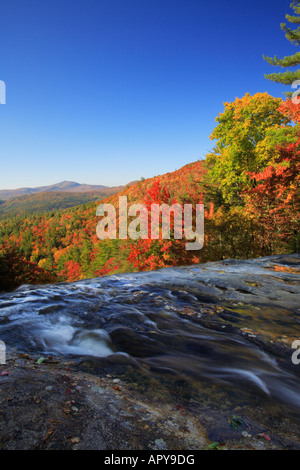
(293, 35)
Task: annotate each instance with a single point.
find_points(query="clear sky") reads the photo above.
(109, 91)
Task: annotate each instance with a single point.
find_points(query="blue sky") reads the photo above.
(109, 91)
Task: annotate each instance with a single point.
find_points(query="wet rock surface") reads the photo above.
(170, 360)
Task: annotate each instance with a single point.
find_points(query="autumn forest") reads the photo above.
(249, 184)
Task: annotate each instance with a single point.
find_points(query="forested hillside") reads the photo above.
(49, 202)
(44, 202)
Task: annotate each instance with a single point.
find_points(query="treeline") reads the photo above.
(46, 202)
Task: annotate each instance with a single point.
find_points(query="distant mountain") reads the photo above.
(71, 194)
(63, 186)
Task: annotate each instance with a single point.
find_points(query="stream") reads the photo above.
(191, 332)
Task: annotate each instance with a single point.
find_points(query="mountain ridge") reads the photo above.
(62, 186)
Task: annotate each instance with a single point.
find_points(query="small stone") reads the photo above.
(49, 388)
(116, 381)
(75, 440)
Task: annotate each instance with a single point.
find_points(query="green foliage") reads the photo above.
(15, 270)
(246, 134)
(213, 446)
(235, 422)
(293, 35)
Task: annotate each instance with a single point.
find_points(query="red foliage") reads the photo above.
(276, 196)
(291, 110)
(111, 265)
(151, 254)
(71, 272)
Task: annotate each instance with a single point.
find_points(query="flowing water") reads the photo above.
(134, 322)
